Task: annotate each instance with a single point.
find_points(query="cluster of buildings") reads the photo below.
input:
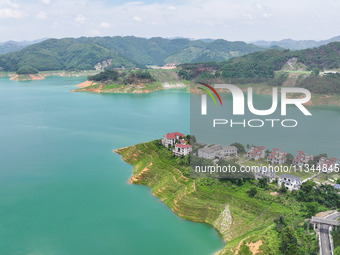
(291, 182)
(216, 151)
(274, 157)
(302, 158)
(277, 157)
(329, 164)
(256, 152)
(179, 142)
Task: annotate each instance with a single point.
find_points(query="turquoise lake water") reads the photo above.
(63, 190)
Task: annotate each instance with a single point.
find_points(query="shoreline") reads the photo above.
(134, 180)
(261, 89)
(189, 200)
(43, 74)
(93, 87)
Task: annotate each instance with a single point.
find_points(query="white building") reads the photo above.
(276, 157)
(256, 152)
(216, 151)
(264, 172)
(302, 158)
(228, 150)
(182, 149)
(170, 139)
(291, 182)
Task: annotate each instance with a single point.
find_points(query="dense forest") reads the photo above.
(262, 65)
(85, 52)
(123, 77)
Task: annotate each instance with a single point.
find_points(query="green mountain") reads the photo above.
(296, 45)
(263, 64)
(86, 52)
(12, 46)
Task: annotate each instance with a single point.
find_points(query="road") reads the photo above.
(324, 235)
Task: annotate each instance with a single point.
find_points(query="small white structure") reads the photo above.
(276, 157)
(216, 151)
(170, 139)
(291, 182)
(327, 164)
(302, 158)
(256, 152)
(182, 149)
(228, 150)
(264, 172)
(210, 152)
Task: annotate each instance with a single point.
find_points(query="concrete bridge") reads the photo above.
(323, 227)
(317, 220)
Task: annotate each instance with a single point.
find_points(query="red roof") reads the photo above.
(262, 147)
(275, 149)
(173, 135)
(334, 159)
(182, 145)
(301, 152)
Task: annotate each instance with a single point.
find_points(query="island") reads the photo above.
(250, 215)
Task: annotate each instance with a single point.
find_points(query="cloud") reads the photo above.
(46, 1)
(94, 32)
(10, 13)
(7, 3)
(41, 15)
(232, 20)
(80, 19)
(105, 24)
(137, 18)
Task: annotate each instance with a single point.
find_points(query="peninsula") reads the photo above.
(249, 215)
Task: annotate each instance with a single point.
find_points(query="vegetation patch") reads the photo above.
(226, 204)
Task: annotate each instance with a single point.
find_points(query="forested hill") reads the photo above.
(262, 65)
(85, 52)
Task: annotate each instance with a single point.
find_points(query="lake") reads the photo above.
(64, 191)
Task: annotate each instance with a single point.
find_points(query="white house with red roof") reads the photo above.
(181, 149)
(302, 158)
(170, 138)
(277, 157)
(328, 164)
(256, 152)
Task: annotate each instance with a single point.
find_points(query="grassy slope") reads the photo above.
(190, 199)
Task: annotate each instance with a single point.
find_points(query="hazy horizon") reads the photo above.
(170, 38)
(231, 20)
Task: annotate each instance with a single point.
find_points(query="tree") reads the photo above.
(283, 189)
(338, 181)
(240, 148)
(263, 182)
(289, 241)
(337, 251)
(27, 70)
(252, 192)
(289, 158)
(315, 72)
(244, 250)
(312, 208)
(308, 186)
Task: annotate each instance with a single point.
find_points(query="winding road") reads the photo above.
(324, 235)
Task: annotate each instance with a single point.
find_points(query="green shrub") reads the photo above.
(27, 70)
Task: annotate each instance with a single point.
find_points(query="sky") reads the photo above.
(234, 20)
